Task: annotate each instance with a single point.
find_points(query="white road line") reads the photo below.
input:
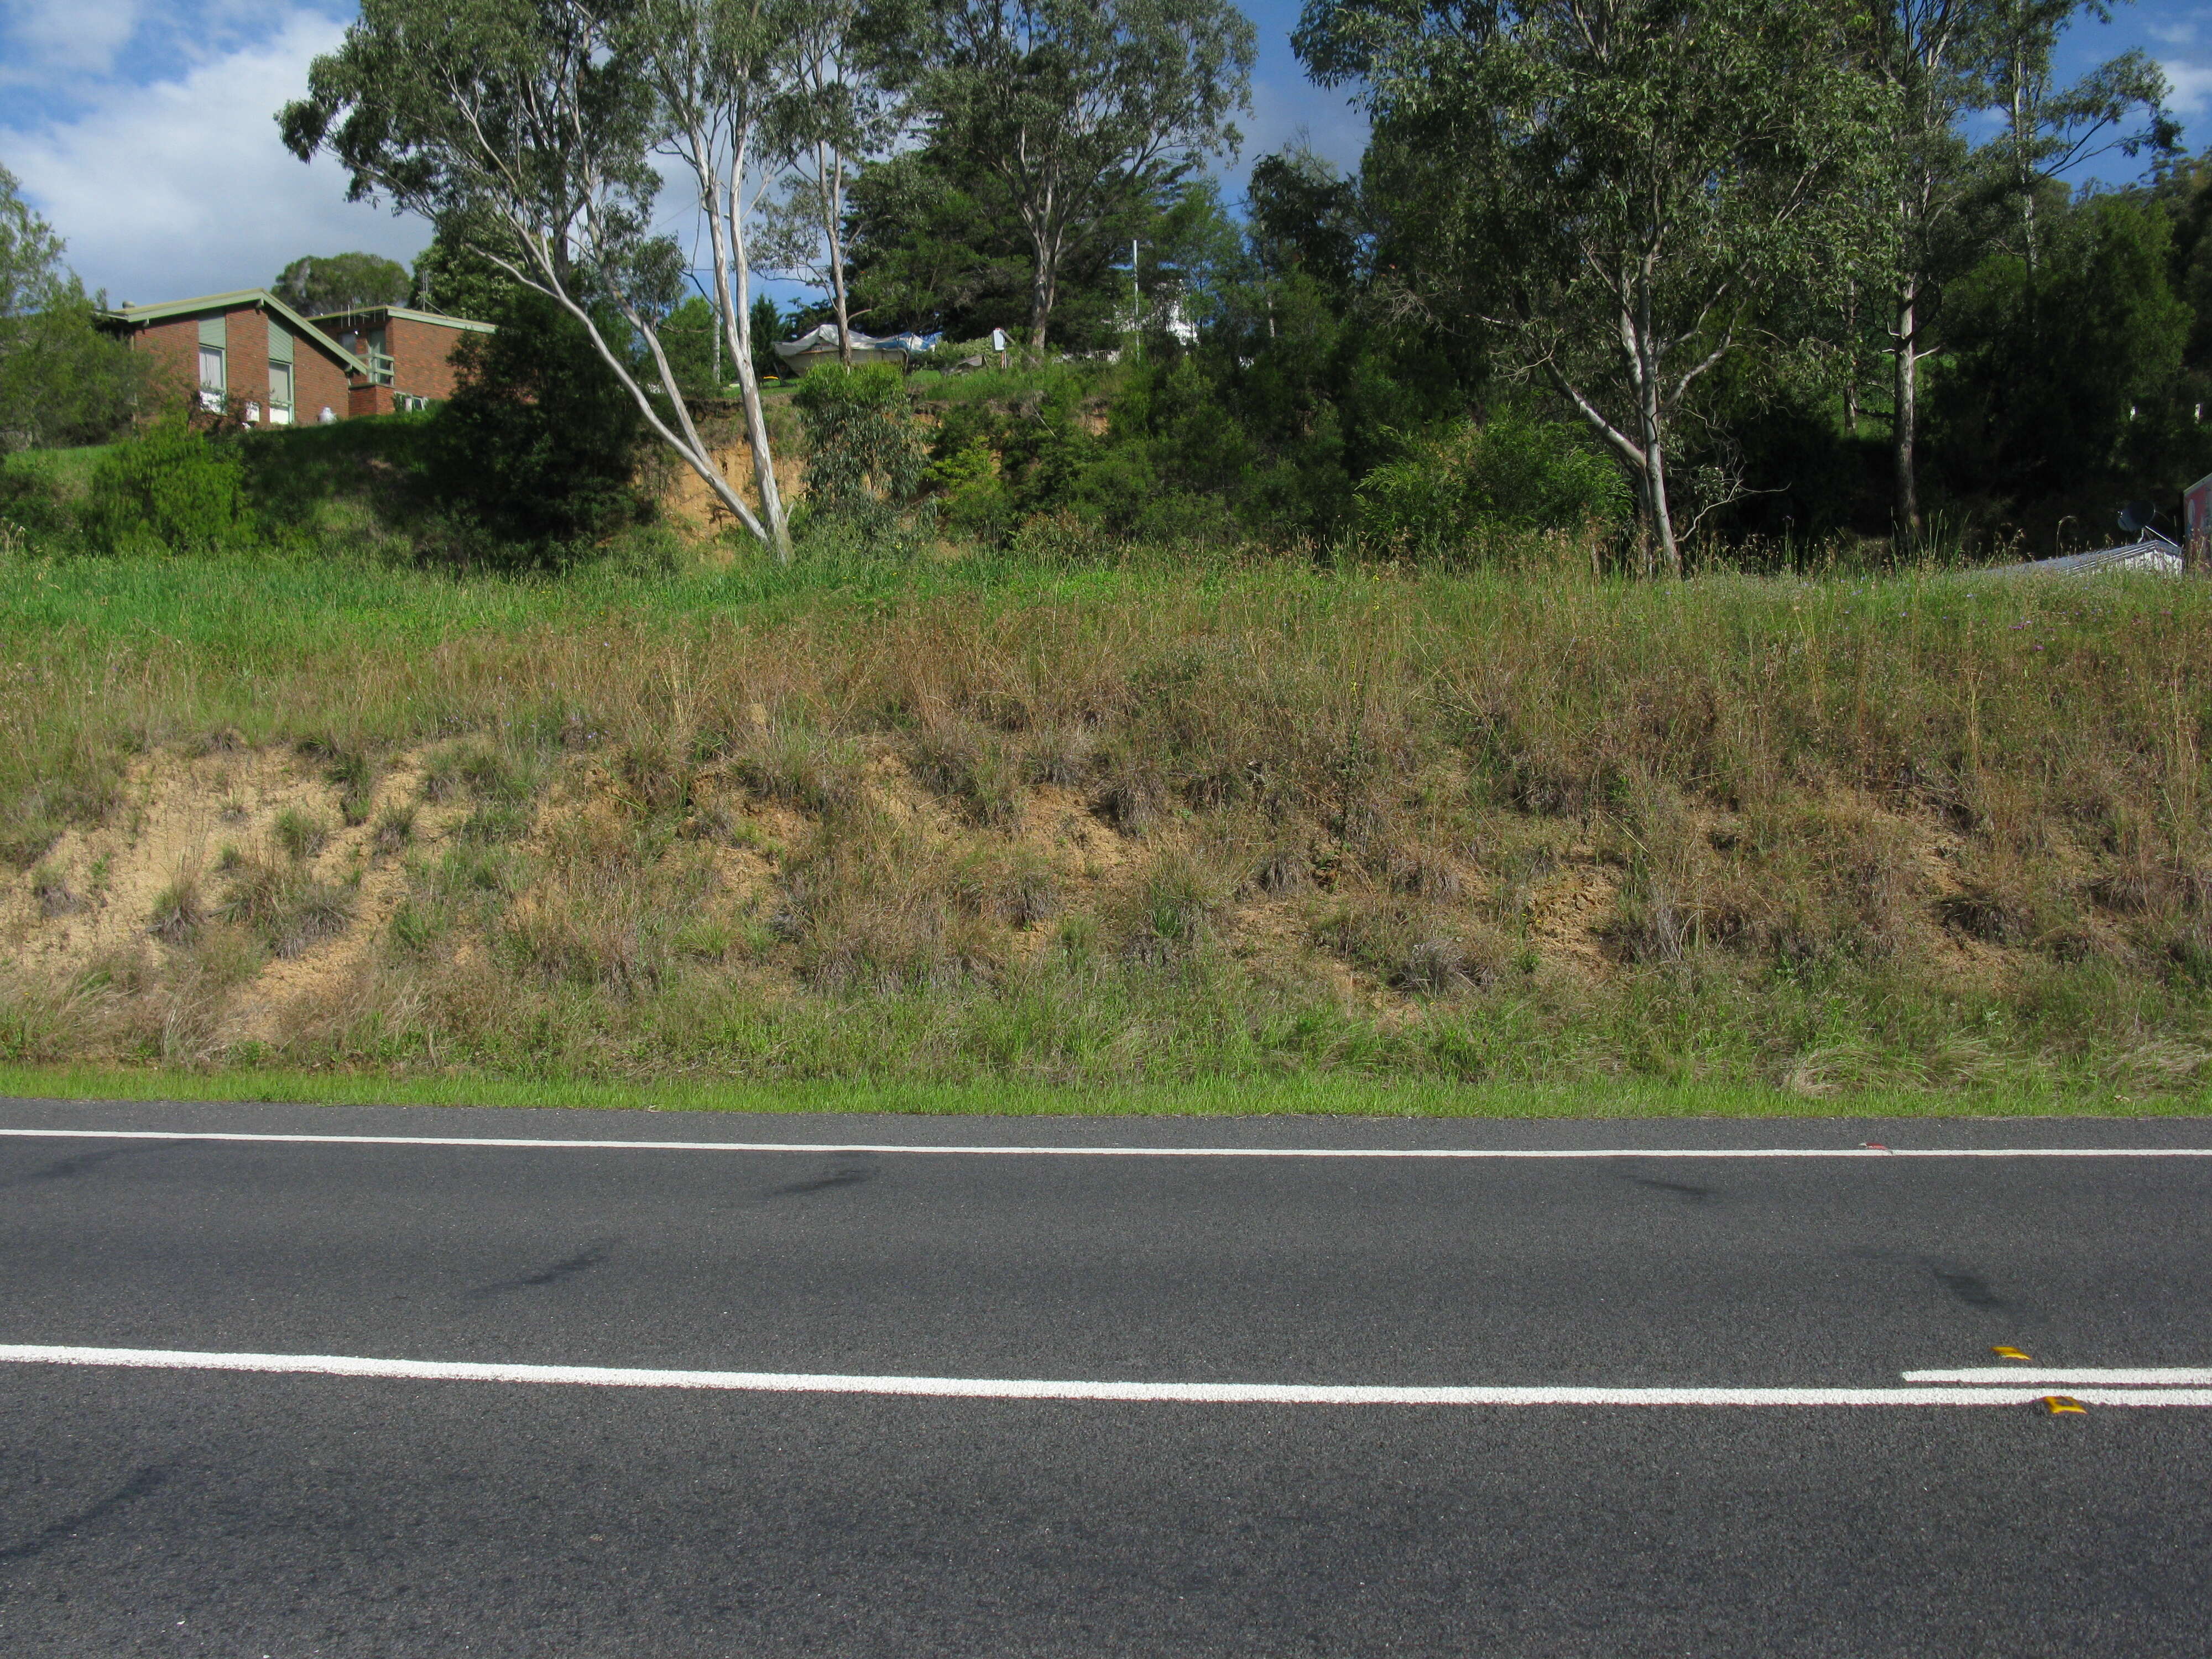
(982, 1387)
(1457, 1153)
(2123, 1376)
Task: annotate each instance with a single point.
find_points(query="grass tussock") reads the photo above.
(1143, 825)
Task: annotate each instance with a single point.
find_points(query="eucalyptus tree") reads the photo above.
(833, 110)
(712, 66)
(532, 125)
(1617, 192)
(1079, 108)
(2051, 128)
(1936, 57)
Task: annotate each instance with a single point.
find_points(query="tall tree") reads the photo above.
(61, 382)
(2051, 129)
(1079, 107)
(1937, 56)
(531, 125)
(1619, 190)
(831, 111)
(316, 286)
(710, 66)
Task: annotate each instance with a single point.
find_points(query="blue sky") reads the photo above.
(143, 129)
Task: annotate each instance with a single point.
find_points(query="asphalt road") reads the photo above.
(157, 1510)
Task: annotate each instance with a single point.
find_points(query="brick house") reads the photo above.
(250, 351)
(410, 354)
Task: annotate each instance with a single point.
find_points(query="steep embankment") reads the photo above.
(1801, 836)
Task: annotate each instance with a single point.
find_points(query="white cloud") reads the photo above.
(182, 188)
(46, 36)
(2189, 85)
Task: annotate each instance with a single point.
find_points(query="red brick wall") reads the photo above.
(317, 383)
(422, 357)
(175, 345)
(245, 360)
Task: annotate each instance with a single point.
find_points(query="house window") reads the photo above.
(211, 381)
(281, 355)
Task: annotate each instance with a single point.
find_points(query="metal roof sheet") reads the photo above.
(2152, 556)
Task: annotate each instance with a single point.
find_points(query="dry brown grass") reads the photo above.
(1915, 835)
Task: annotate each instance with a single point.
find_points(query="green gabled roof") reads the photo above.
(238, 301)
(437, 318)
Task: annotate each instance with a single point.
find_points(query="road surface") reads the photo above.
(290, 1381)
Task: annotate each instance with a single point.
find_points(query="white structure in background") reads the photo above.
(819, 345)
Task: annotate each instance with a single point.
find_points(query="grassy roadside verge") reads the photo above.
(1161, 832)
(1213, 1098)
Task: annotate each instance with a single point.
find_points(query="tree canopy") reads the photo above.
(1077, 110)
(1617, 193)
(61, 380)
(316, 286)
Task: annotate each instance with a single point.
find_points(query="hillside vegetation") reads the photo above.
(1010, 817)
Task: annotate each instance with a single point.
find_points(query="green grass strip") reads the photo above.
(1327, 1097)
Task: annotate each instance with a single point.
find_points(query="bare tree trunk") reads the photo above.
(1043, 285)
(1851, 360)
(1906, 421)
(725, 225)
(830, 175)
(2023, 165)
(1651, 418)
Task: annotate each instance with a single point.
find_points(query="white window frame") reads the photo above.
(212, 395)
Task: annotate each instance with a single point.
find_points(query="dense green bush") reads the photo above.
(33, 511)
(863, 454)
(538, 447)
(1454, 492)
(169, 490)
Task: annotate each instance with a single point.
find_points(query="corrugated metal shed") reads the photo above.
(2156, 557)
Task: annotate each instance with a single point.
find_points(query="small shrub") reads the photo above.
(1453, 494)
(1018, 888)
(394, 830)
(177, 913)
(1417, 948)
(227, 955)
(417, 924)
(657, 778)
(349, 770)
(863, 456)
(287, 909)
(794, 766)
(301, 834)
(972, 770)
(170, 489)
(1172, 911)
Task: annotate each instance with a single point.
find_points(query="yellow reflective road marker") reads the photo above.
(2008, 1353)
(2059, 1404)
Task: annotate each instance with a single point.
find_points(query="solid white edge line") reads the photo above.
(2129, 1377)
(1457, 1153)
(976, 1387)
